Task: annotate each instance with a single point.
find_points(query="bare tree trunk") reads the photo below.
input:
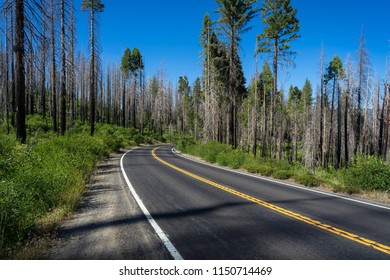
(72, 75)
(273, 100)
(338, 144)
(20, 78)
(387, 125)
(92, 74)
(54, 71)
(365, 148)
(43, 71)
(265, 127)
(30, 99)
(124, 101)
(63, 70)
(108, 96)
(134, 103)
(7, 74)
(375, 115)
(331, 125)
(381, 141)
(346, 111)
(232, 95)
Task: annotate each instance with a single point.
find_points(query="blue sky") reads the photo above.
(167, 33)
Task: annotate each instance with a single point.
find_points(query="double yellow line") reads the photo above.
(356, 238)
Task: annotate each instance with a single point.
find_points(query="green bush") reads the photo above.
(252, 166)
(266, 170)
(7, 146)
(211, 150)
(368, 173)
(307, 180)
(184, 144)
(222, 159)
(48, 174)
(234, 158)
(282, 174)
(35, 123)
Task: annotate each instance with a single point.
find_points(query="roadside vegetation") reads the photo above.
(332, 132)
(42, 181)
(367, 174)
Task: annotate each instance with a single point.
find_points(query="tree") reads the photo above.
(215, 81)
(184, 91)
(266, 88)
(307, 100)
(205, 42)
(294, 110)
(281, 28)
(362, 79)
(335, 72)
(94, 7)
(197, 103)
(125, 68)
(63, 68)
(26, 16)
(234, 17)
(136, 66)
(20, 78)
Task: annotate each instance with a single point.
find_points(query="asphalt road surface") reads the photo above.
(202, 212)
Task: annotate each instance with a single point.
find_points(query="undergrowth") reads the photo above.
(48, 175)
(368, 173)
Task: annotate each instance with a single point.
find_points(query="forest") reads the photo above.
(50, 91)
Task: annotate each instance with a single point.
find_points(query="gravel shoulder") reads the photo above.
(108, 224)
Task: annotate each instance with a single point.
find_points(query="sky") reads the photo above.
(167, 34)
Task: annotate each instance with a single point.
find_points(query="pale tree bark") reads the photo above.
(63, 70)
(20, 70)
(53, 75)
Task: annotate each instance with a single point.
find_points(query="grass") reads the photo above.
(367, 174)
(42, 182)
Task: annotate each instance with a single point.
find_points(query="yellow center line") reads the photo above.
(367, 242)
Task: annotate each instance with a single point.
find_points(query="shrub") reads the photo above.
(183, 144)
(222, 159)
(211, 150)
(252, 166)
(7, 146)
(368, 173)
(236, 159)
(47, 175)
(265, 170)
(307, 180)
(35, 123)
(282, 174)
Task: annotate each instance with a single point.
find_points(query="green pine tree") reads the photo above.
(281, 28)
(234, 18)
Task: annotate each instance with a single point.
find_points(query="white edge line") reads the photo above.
(164, 238)
(281, 183)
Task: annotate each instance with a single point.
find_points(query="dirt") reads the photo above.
(108, 224)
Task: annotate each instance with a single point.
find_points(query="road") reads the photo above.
(108, 224)
(203, 212)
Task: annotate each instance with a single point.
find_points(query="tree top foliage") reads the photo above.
(136, 60)
(126, 60)
(281, 26)
(132, 61)
(335, 69)
(235, 14)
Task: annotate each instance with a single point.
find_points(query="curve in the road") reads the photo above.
(161, 234)
(356, 238)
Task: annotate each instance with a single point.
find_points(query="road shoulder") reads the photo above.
(108, 223)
